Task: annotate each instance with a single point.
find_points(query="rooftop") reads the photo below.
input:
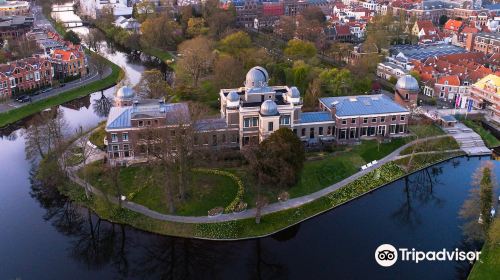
(312, 117)
(361, 105)
(422, 52)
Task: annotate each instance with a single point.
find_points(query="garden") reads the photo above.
(489, 139)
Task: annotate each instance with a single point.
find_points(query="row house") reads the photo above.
(251, 113)
(487, 43)
(14, 8)
(68, 63)
(25, 75)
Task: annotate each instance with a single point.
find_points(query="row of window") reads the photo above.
(254, 121)
(114, 137)
(214, 140)
(375, 119)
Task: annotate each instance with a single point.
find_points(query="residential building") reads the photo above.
(69, 63)
(251, 113)
(92, 8)
(486, 95)
(25, 75)
(488, 43)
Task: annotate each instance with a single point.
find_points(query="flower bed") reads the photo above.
(232, 207)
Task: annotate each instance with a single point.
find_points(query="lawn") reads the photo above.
(319, 174)
(489, 265)
(489, 139)
(17, 114)
(439, 144)
(425, 130)
(160, 54)
(204, 192)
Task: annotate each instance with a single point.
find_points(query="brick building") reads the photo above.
(249, 114)
(68, 63)
(25, 75)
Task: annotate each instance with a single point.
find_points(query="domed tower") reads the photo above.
(257, 77)
(407, 90)
(124, 96)
(269, 108)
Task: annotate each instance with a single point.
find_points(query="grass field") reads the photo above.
(425, 130)
(204, 191)
(439, 144)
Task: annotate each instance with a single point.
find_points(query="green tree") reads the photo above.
(196, 27)
(443, 19)
(72, 37)
(280, 159)
(235, 43)
(336, 82)
(299, 49)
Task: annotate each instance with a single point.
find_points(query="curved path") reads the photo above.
(250, 213)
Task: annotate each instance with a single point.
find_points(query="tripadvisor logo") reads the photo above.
(387, 255)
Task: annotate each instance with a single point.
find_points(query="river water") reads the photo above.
(44, 236)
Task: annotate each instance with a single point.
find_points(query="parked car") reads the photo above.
(37, 92)
(46, 90)
(23, 99)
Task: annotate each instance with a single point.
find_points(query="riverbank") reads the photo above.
(488, 266)
(242, 225)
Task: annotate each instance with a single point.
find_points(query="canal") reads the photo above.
(44, 236)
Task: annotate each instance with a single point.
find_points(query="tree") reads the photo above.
(106, 17)
(228, 72)
(99, 62)
(286, 27)
(476, 209)
(153, 85)
(280, 158)
(196, 27)
(336, 82)
(235, 43)
(93, 39)
(44, 135)
(313, 93)
(219, 20)
(443, 19)
(72, 37)
(102, 106)
(161, 31)
(196, 59)
(313, 13)
(86, 152)
(298, 49)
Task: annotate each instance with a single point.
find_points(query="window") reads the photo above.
(270, 126)
(329, 131)
(364, 131)
(393, 118)
(295, 131)
(125, 136)
(246, 122)
(303, 132)
(285, 120)
(392, 129)
(374, 120)
(126, 153)
(148, 123)
(402, 117)
(365, 120)
(126, 147)
(116, 147)
(353, 120)
(214, 140)
(114, 137)
(371, 131)
(320, 131)
(402, 128)
(382, 119)
(140, 123)
(381, 130)
(255, 121)
(344, 121)
(246, 140)
(234, 138)
(343, 134)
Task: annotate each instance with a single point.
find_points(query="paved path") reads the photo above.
(250, 213)
(469, 141)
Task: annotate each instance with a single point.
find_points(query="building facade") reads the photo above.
(25, 75)
(486, 95)
(251, 113)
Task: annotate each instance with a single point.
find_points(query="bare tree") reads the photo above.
(153, 85)
(82, 137)
(196, 59)
(99, 62)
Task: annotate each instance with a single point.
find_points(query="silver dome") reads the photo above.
(125, 92)
(407, 82)
(257, 77)
(233, 96)
(294, 92)
(269, 108)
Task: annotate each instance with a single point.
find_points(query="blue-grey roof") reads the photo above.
(422, 52)
(119, 117)
(362, 105)
(312, 117)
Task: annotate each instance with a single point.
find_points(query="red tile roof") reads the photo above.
(452, 80)
(453, 25)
